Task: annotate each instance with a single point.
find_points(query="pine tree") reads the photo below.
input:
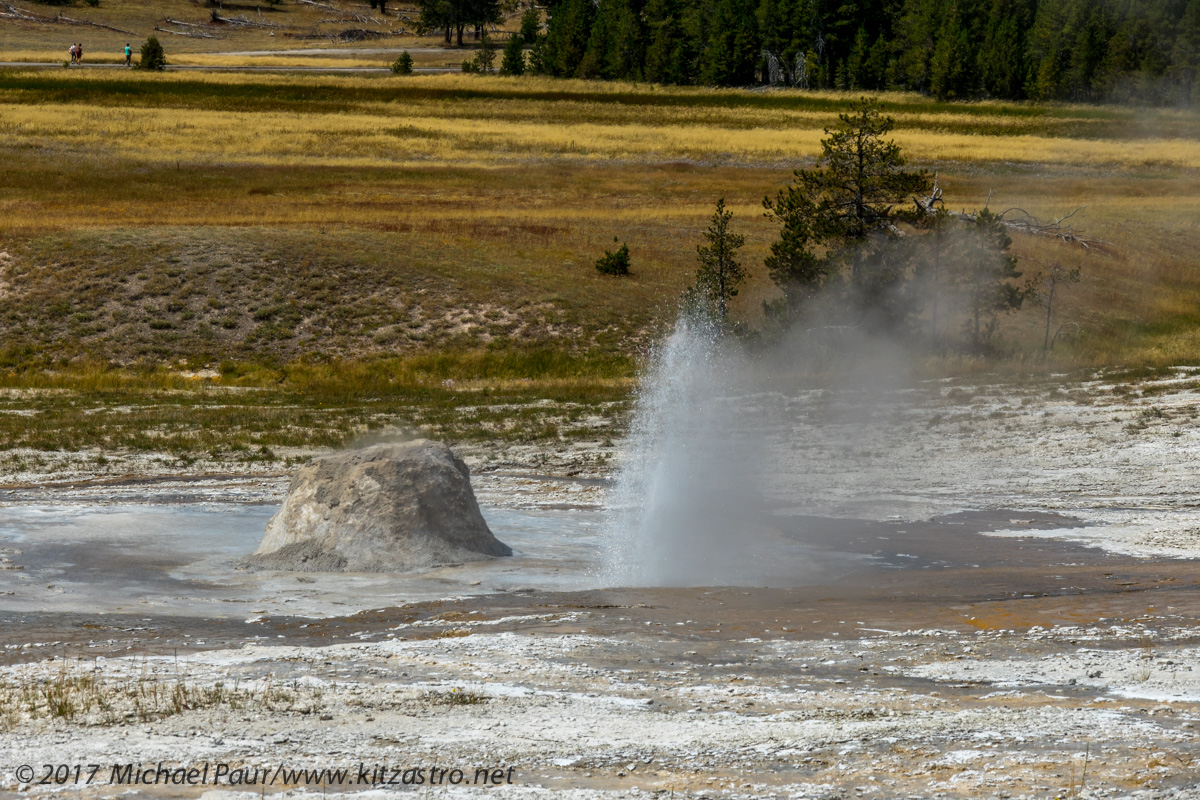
(153, 56)
(1002, 63)
(915, 36)
(1046, 80)
(567, 37)
(403, 65)
(863, 174)
(625, 55)
(1185, 54)
(1047, 48)
(793, 264)
(846, 208)
(1084, 50)
(614, 262)
(731, 51)
(531, 23)
(985, 278)
(538, 63)
(720, 272)
(454, 16)
(437, 15)
(950, 73)
(513, 62)
(668, 57)
(615, 49)
(856, 63)
(485, 58)
(1085, 59)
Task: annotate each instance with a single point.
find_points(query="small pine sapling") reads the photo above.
(403, 65)
(615, 262)
(153, 56)
(720, 272)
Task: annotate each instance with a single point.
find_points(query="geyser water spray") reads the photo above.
(677, 513)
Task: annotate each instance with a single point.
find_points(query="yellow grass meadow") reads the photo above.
(487, 131)
(400, 137)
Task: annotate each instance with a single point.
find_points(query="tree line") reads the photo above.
(1069, 50)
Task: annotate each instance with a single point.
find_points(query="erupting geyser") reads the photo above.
(677, 514)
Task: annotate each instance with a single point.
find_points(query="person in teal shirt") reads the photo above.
(128, 54)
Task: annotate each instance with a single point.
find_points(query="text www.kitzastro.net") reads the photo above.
(227, 774)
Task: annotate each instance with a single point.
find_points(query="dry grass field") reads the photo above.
(445, 225)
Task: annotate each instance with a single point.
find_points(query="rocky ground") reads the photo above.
(1046, 648)
(579, 702)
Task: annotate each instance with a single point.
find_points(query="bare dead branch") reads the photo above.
(1016, 219)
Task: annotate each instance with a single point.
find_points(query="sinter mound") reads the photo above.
(386, 508)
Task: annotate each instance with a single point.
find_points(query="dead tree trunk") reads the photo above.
(1016, 219)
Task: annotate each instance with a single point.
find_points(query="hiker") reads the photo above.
(128, 54)
(79, 53)
(74, 53)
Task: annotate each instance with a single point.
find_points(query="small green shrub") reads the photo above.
(470, 66)
(153, 56)
(614, 263)
(403, 65)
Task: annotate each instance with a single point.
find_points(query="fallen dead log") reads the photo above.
(189, 34)
(70, 21)
(181, 24)
(12, 12)
(347, 36)
(242, 22)
(360, 35)
(1015, 219)
(360, 18)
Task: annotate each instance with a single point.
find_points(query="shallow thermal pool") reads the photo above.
(185, 559)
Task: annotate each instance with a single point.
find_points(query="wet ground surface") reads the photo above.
(942, 573)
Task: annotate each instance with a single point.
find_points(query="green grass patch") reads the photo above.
(253, 413)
